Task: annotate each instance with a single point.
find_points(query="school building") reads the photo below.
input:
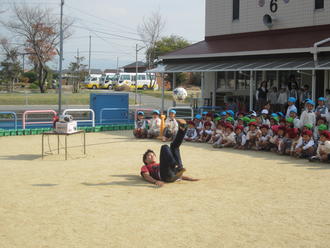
(247, 42)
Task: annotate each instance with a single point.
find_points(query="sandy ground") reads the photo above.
(244, 199)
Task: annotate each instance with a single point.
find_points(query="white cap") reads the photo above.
(253, 113)
(264, 112)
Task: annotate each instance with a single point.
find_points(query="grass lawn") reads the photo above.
(46, 99)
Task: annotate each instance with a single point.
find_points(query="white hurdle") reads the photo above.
(82, 110)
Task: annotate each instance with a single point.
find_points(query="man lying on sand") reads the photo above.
(170, 168)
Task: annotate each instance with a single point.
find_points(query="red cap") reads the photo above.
(191, 123)
(253, 123)
(293, 132)
(239, 127)
(308, 132)
(264, 126)
(326, 133)
(207, 124)
(282, 128)
(209, 114)
(228, 125)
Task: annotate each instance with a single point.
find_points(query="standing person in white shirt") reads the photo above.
(308, 115)
(321, 109)
(154, 125)
(291, 106)
(272, 99)
(282, 99)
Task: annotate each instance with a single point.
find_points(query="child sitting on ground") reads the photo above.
(228, 139)
(323, 149)
(263, 138)
(240, 138)
(252, 136)
(154, 125)
(191, 134)
(217, 133)
(206, 133)
(141, 126)
(171, 127)
(305, 148)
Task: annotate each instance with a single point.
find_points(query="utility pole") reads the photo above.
(61, 60)
(136, 72)
(117, 64)
(89, 55)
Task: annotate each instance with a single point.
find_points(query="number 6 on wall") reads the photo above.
(273, 6)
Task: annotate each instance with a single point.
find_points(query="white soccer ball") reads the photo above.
(179, 94)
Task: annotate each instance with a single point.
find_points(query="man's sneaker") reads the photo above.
(180, 173)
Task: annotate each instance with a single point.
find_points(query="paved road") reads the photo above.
(144, 101)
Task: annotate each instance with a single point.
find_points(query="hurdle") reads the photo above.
(209, 108)
(181, 115)
(26, 113)
(13, 114)
(82, 110)
(124, 114)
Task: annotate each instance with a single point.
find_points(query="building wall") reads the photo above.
(209, 85)
(219, 16)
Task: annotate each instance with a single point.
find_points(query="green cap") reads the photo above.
(322, 127)
(246, 119)
(309, 126)
(217, 118)
(231, 119)
(289, 120)
(253, 120)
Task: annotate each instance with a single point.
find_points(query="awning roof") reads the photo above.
(285, 64)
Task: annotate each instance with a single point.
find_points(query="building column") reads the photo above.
(313, 84)
(251, 91)
(163, 93)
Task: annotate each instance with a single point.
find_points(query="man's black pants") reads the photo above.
(170, 159)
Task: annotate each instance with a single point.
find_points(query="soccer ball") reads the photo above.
(179, 94)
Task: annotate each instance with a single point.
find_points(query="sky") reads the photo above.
(107, 21)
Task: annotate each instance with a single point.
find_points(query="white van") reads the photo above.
(107, 80)
(92, 81)
(144, 80)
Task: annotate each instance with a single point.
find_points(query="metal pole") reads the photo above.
(117, 64)
(163, 93)
(89, 55)
(174, 85)
(23, 61)
(61, 60)
(136, 72)
(251, 91)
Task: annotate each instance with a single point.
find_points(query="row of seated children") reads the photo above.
(307, 137)
(151, 128)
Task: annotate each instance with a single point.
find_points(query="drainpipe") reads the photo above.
(314, 51)
(251, 90)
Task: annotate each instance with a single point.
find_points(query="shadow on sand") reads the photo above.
(21, 157)
(129, 180)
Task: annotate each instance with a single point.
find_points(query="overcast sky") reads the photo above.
(100, 18)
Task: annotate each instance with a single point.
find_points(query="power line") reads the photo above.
(115, 35)
(109, 21)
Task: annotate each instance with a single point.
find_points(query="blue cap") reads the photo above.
(311, 102)
(230, 112)
(198, 117)
(280, 114)
(274, 115)
(321, 99)
(223, 113)
(172, 111)
(293, 110)
(292, 99)
(140, 113)
(156, 112)
(307, 99)
(204, 113)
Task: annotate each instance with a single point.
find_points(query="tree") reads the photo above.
(150, 31)
(78, 72)
(39, 29)
(10, 66)
(170, 44)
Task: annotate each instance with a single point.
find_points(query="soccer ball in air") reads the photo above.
(179, 94)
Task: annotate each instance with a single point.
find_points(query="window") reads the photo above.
(221, 80)
(141, 77)
(235, 10)
(319, 4)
